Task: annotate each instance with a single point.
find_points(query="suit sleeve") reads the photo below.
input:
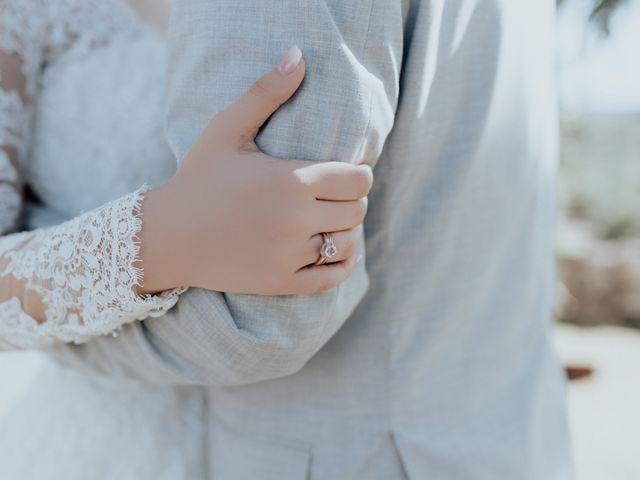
(343, 112)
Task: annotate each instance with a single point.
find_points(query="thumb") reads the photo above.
(242, 120)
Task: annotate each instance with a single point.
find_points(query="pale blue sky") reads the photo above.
(595, 73)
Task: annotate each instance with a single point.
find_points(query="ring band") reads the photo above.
(328, 250)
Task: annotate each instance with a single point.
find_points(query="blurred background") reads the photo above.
(598, 330)
(598, 237)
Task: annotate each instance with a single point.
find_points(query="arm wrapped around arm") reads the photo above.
(343, 112)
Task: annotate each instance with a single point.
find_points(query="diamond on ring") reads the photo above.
(328, 250)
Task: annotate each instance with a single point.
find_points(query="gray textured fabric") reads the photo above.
(445, 369)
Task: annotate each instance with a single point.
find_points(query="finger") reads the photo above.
(337, 216)
(346, 243)
(242, 120)
(319, 278)
(339, 180)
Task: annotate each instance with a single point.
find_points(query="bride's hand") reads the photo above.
(236, 220)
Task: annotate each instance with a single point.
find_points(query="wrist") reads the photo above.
(159, 242)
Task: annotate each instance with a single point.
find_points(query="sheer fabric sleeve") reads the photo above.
(82, 273)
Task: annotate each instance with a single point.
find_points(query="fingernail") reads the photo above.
(290, 61)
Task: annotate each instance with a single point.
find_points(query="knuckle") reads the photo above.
(294, 184)
(363, 181)
(260, 88)
(361, 210)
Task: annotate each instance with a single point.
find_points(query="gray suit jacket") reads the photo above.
(436, 361)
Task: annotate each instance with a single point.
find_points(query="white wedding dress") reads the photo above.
(81, 107)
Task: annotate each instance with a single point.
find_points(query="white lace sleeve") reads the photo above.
(82, 272)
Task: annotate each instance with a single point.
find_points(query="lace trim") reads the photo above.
(84, 270)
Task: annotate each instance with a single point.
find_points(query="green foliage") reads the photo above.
(601, 13)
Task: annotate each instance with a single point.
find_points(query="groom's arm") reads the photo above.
(344, 111)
